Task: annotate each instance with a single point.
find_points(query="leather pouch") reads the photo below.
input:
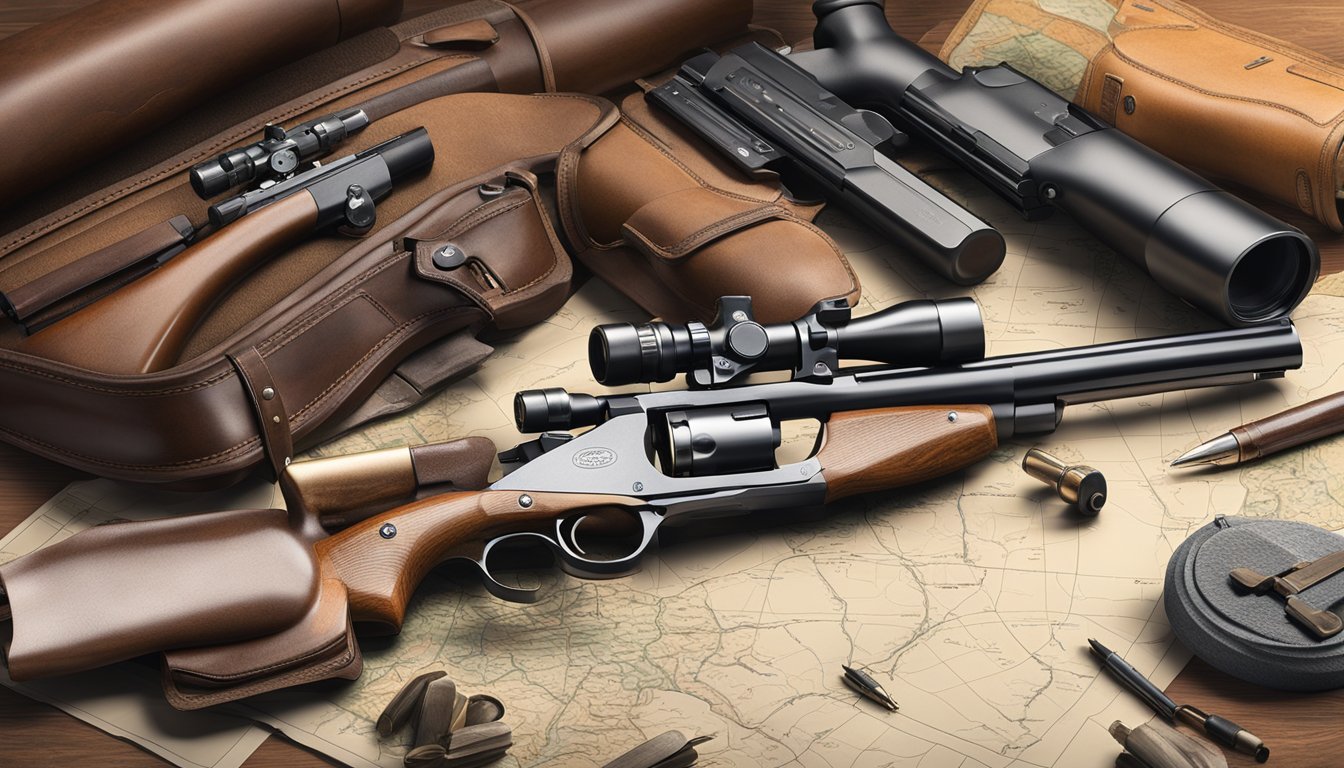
(319, 646)
(1232, 103)
(315, 333)
(653, 212)
(333, 332)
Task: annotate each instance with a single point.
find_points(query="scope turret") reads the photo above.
(911, 333)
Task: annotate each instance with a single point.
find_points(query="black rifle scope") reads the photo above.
(278, 155)
(735, 345)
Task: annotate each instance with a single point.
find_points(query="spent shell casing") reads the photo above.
(434, 722)
(428, 756)
(474, 741)
(484, 708)
(398, 712)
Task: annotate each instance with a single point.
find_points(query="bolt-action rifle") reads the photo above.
(598, 499)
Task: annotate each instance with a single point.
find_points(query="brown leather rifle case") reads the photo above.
(333, 330)
(85, 83)
(1233, 103)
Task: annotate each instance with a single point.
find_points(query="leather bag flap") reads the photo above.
(319, 646)
(494, 242)
(674, 226)
(471, 33)
(118, 591)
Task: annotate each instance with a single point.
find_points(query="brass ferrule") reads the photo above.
(1081, 486)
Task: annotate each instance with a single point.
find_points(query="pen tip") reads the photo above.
(1098, 648)
(1223, 449)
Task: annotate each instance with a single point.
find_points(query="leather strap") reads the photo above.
(474, 32)
(268, 406)
(539, 42)
(31, 298)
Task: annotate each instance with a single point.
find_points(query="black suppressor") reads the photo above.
(278, 155)
(1040, 152)
(735, 345)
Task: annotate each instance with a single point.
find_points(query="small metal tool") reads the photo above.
(864, 684)
(1219, 729)
(1294, 580)
(1081, 486)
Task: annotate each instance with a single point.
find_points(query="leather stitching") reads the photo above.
(215, 458)
(28, 369)
(1227, 97)
(657, 145)
(567, 170)
(708, 233)
(395, 333)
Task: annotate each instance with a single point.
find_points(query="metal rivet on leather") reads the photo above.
(1129, 105)
(264, 397)
(449, 256)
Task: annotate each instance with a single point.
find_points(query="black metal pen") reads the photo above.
(1219, 729)
(864, 684)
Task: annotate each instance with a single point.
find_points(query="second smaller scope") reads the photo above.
(278, 155)
(923, 332)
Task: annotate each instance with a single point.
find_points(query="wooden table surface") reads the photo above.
(1303, 731)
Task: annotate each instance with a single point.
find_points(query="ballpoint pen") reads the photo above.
(865, 685)
(1217, 728)
(1289, 429)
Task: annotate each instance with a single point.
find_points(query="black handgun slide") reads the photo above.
(1039, 152)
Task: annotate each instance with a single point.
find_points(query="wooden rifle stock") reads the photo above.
(144, 326)
(384, 558)
(880, 449)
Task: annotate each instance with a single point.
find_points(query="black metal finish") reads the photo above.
(1028, 392)
(344, 189)
(714, 447)
(1040, 153)
(735, 345)
(278, 156)
(761, 111)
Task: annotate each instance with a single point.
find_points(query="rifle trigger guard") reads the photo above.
(575, 562)
(496, 587)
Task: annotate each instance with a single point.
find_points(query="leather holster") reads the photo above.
(1229, 102)
(657, 214)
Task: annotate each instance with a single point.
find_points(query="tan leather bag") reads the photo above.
(665, 220)
(1225, 100)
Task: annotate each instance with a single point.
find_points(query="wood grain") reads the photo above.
(1295, 426)
(867, 451)
(1302, 730)
(381, 573)
(1161, 746)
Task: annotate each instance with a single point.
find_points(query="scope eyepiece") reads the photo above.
(543, 410)
(276, 156)
(735, 345)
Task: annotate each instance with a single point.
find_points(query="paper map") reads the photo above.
(970, 598)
